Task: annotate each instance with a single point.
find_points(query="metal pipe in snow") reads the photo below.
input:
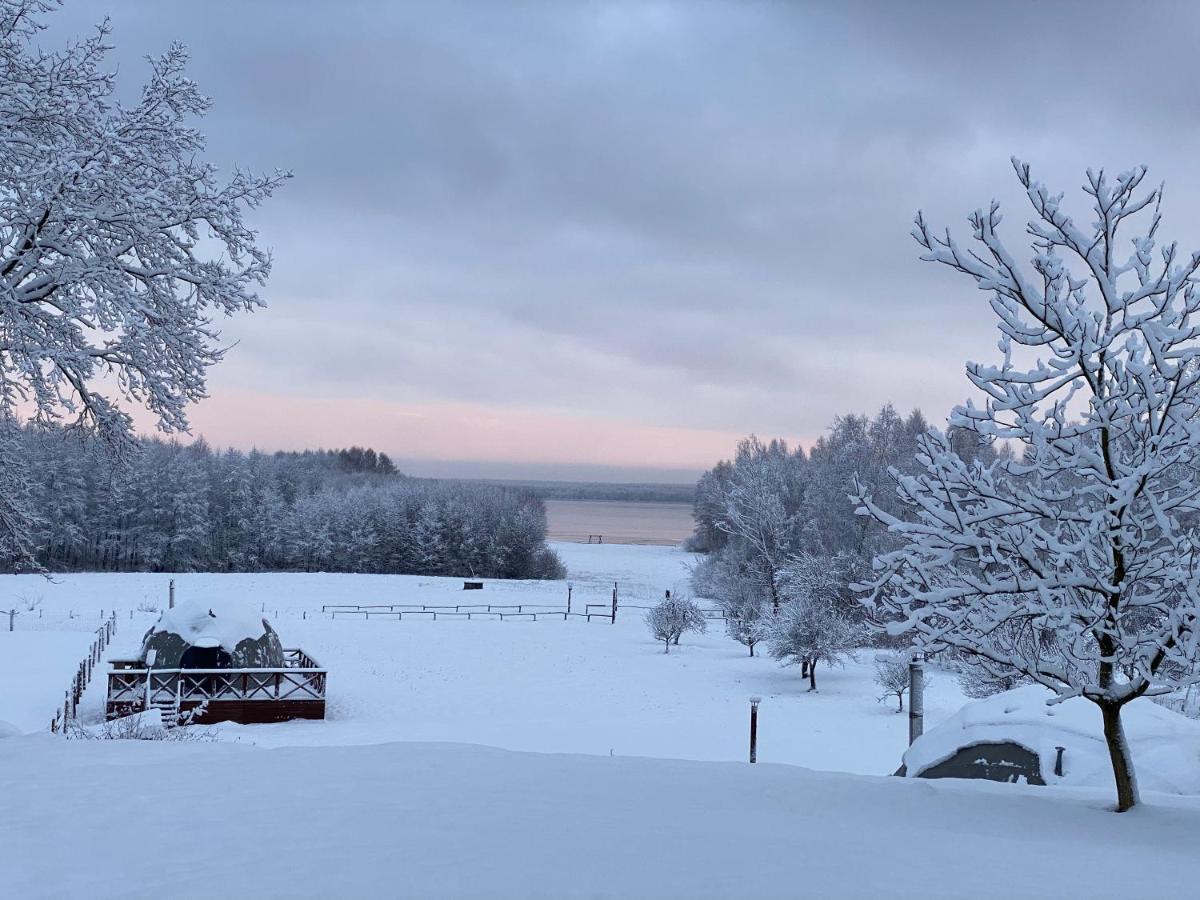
(754, 701)
(916, 697)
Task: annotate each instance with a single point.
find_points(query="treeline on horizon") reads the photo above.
(173, 507)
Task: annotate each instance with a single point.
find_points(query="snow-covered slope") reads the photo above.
(135, 819)
(1166, 745)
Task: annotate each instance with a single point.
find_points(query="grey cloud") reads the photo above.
(691, 214)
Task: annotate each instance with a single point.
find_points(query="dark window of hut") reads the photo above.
(205, 658)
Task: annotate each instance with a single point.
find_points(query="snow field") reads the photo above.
(393, 795)
(546, 686)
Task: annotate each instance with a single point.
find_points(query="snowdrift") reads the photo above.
(1165, 745)
(134, 819)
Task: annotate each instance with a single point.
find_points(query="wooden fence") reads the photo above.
(83, 675)
(529, 612)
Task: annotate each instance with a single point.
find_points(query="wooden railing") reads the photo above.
(301, 678)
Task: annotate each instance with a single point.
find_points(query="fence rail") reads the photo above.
(83, 674)
(533, 612)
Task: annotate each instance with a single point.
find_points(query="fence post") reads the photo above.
(916, 697)
(614, 611)
(171, 595)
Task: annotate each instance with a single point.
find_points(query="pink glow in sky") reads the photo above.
(452, 431)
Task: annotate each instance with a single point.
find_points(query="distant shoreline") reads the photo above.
(618, 521)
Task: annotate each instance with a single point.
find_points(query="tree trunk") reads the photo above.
(752, 649)
(804, 668)
(900, 697)
(667, 642)
(812, 674)
(1122, 761)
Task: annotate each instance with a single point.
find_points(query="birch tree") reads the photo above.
(1074, 562)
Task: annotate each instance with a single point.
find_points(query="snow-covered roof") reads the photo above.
(212, 623)
(1165, 745)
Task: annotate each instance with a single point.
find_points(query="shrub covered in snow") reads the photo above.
(806, 632)
(892, 675)
(672, 617)
(1167, 744)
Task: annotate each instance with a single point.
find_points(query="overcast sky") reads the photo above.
(547, 238)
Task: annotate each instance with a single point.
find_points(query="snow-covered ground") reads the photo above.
(136, 819)
(546, 686)
(395, 794)
(36, 668)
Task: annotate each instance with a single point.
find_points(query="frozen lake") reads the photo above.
(619, 522)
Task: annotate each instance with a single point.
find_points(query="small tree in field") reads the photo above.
(805, 632)
(670, 619)
(745, 619)
(1074, 564)
(891, 674)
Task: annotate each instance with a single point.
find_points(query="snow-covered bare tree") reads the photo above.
(805, 632)
(1086, 545)
(891, 674)
(672, 617)
(119, 243)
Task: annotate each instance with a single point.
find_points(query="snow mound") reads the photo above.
(7, 730)
(1165, 745)
(212, 623)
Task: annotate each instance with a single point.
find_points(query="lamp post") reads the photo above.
(754, 701)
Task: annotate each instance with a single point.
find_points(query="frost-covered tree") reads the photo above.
(1076, 564)
(746, 618)
(805, 632)
(19, 518)
(754, 510)
(891, 674)
(767, 506)
(119, 243)
(177, 507)
(671, 618)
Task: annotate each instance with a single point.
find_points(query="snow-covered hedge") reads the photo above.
(1165, 745)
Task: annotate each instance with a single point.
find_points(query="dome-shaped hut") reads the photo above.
(199, 634)
(216, 661)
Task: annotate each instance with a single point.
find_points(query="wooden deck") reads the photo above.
(295, 691)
